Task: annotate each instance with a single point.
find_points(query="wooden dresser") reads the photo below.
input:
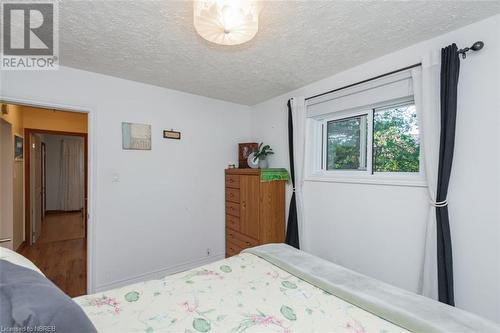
(255, 210)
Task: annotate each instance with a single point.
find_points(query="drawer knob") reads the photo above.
(249, 244)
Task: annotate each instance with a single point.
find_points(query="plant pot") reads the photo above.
(251, 163)
(263, 163)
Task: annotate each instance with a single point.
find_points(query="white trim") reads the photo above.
(393, 180)
(160, 273)
(355, 89)
(366, 95)
(92, 173)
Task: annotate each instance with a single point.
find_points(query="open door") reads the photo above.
(6, 184)
(36, 187)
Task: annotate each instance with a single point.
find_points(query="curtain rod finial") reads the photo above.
(477, 46)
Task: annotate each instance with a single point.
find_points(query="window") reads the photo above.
(346, 143)
(382, 140)
(396, 146)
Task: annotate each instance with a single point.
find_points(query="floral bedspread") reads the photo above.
(240, 294)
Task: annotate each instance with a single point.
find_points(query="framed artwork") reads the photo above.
(18, 147)
(245, 149)
(172, 135)
(136, 136)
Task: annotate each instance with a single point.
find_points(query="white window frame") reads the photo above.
(316, 139)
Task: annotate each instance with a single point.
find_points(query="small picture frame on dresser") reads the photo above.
(244, 150)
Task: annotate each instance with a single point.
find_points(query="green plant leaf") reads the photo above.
(288, 313)
(225, 269)
(132, 296)
(289, 285)
(201, 325)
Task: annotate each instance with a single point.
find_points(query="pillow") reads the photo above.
(17, 259)
(29, 302)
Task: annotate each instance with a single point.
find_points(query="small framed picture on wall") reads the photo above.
(136, 136)
(18, 147)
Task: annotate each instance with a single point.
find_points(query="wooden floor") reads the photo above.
(61, 253)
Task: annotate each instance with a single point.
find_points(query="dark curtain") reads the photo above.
(450, 68)
(292, 228)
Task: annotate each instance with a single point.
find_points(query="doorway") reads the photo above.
(56, 177)
(62, 244)
(56, 205)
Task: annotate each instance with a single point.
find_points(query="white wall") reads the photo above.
(168, 206)
(379, 230)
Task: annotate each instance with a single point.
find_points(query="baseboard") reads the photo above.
(158, 274)
(47, 212)
(21, 247)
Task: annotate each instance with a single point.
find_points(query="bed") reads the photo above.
(272, 288)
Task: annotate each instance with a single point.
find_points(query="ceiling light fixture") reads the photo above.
(226, 22)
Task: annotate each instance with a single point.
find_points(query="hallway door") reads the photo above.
(36, 187)
(6, 184)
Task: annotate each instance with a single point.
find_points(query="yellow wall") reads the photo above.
(21, 117)
(54, 120)
(15, 118)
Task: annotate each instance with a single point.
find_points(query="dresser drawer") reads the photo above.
(232, 209)
(232, 194)
(240, 240)
(232, 249)
(233, 222)
(233, 181)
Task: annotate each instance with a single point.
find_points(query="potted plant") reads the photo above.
(261, 154)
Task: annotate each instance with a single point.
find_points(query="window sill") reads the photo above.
(369, 180)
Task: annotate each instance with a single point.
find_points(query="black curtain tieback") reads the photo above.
(439, 204)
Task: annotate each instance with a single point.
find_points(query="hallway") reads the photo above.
(60, 252)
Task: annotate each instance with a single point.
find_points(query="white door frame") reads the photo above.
(6, 183)
(91, 176)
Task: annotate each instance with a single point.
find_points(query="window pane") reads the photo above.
(346, 144)
(396, 146)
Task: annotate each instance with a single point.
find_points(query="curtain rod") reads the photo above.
(364, 81)
(475, 47)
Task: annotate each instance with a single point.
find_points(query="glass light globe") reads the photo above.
(226, 22)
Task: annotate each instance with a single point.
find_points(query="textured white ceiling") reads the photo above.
(299, 42)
